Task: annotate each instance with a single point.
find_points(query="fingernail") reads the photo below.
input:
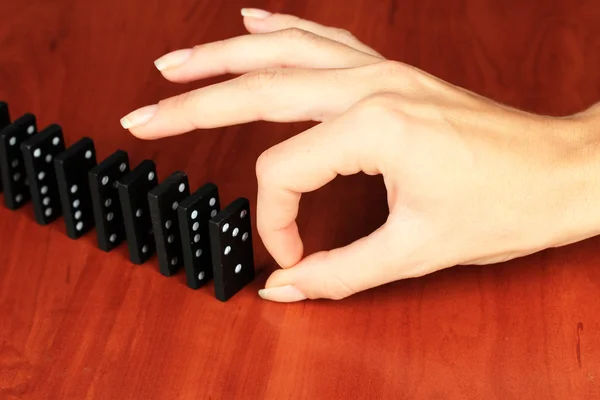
(255, 13)
(173, 59)
(138, 117)
(283, 294)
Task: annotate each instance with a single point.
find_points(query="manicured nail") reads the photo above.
(282, 294)
(255, 13)
(139, 117)
(173, 59)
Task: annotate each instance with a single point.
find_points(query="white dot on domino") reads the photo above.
(201, 275)
(238, 268)
(37, 153)
(44, 190)
(105, 180)
(194, 214)
(225, 227)
(107, 203)
(12, 141)
(77, 214)
(168, 224)
(113, 238)
(41, 176)
(48, 212)
(49, 158)
(74, 189)
(151, 176)
(88, 154)
(198, 252)
(76, 203)
(110, 216)
(175, 205)
(56, 141)
(30, 129)
(196, 238)
(245, 236)
(213, 213)
(181, 187)
(171, 238)
(19, 198)
(46, 201)
(235, 232)
(123, 167)
(196, 226)
(79, 226)
(212, 201)
(227, 250)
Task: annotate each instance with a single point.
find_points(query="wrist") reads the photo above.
(575, 179)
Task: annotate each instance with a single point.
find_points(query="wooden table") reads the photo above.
(77, 323)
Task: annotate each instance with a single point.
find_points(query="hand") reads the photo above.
(469, 181)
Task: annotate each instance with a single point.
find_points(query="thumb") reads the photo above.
(337, 273)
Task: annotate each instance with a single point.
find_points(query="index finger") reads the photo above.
(303, 164)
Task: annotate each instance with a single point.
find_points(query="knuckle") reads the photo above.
(264, 79)
(184, 103)
(264, 167)
(380, 105)
(296, 34)
(401, 76)
(340, 34)
(385, 110)
(217, 44)
(262, 227)
(333, 285)
(393, 68)
(335, 288)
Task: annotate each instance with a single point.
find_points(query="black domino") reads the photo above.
(133, 195)
(38, 153)
(103, 180)
(194, 214)
(164, 201)
(4, 114)
(72, 167)
(4, 121)
(231, 246)
(12, 165)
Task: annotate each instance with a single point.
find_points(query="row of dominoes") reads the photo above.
(183, 228)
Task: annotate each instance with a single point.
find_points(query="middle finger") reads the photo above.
(286, 48)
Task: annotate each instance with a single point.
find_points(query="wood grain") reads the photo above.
(76, 323)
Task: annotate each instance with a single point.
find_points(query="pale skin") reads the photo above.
(469, 180)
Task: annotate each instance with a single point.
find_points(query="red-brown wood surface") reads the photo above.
(77, 323)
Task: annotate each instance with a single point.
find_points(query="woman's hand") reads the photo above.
(469, 181)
